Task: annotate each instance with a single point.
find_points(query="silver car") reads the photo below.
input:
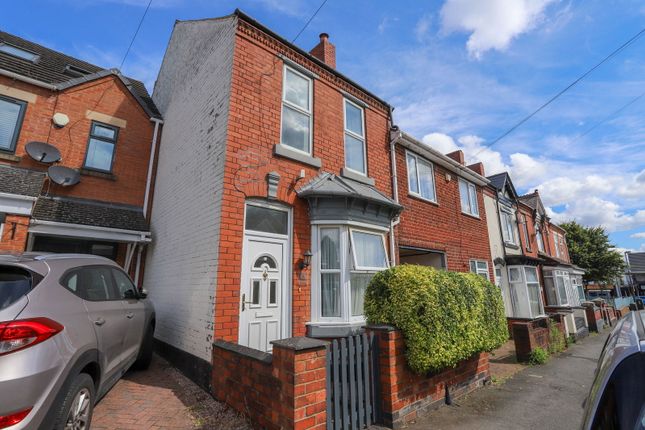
(617, 396)
(70, 327)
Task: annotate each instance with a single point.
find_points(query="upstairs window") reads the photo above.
(296, 111)
(525, 229)
(556, 244)
(355, 158)
(468, 195)
(75, 71)
(12, 113)
(540, 239)
(508, 227)
(18, 52)
(480, 267)
(100, 147)
(420, 178)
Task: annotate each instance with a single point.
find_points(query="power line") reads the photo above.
(135, 34)
(610, 116)
(309, 21)
(567, 88)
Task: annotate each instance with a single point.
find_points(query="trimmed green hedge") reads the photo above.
(446, 317)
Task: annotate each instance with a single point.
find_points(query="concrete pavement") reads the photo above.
(539, 397)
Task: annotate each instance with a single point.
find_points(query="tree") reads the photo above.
(590, 249)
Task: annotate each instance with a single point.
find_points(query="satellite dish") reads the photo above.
(43, 152)
(64, 175)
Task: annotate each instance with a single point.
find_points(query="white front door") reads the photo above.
(263, 281)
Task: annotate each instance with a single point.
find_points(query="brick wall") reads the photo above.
(192, 92)
(14, 233)
(405, 395)
(253, 130)
(529, 335)
(286, 390)
(442, 226)
(107, 96)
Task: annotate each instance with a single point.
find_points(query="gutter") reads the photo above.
(153, 151)
(28, 80)
(435, 156)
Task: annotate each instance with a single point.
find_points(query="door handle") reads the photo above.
(129, 315)
(99, 321)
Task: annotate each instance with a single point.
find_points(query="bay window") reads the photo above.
(296, 111)
(346, 260)
(525, 292)
(468, 195)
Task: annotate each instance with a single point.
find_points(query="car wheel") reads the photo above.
(76, 411)
(145, 353)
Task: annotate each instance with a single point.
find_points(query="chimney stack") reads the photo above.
(325, 51)
(458, 156)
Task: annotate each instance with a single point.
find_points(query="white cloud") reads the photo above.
(638, 235)
(422, 27)
(440, 142)
(492, 24)
(640, 178)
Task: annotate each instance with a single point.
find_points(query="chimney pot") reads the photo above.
(323, 36)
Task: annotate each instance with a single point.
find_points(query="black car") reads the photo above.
(617, 397)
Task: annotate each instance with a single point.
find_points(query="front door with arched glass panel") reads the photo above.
(263, 279)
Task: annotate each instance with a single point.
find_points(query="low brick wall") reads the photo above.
(284, 390)
(529, 335)
(404, 395)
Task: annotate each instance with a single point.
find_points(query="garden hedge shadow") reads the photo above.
(445, 317)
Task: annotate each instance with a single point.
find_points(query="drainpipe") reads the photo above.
(138, 266)
(395, 182)
(153, 151)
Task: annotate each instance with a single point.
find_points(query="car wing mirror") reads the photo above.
(143, 293)
(130, 294)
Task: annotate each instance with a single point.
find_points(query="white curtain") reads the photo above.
(369, 250)
(359, 282)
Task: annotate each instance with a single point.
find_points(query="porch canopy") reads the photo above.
(336, 198)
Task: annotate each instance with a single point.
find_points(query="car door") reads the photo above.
(95, 285)
(135, 315)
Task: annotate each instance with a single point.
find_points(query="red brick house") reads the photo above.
(276, 200)
(444, 222)
(97, 124)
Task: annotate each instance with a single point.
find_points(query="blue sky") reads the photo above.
(459, 72)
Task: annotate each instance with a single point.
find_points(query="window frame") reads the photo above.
(19, 48)
(418, 180)
(539, 237)
(290, 105)
(102, 139)
(362, 138)
(469, 186)
(508, 227)
(478, 271)
(18, 126)
(347, 268)
(556, 243)
(527, 236)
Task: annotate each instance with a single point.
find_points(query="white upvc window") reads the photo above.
(556, 243)
(480, 267)
(345, 259)
(540, 239)
(355, 152)
(525, 229)
(508, 227)
(468, 196)
(562, 284)
(421, 177)
(525, 291)
(498, 277)
(297, 117)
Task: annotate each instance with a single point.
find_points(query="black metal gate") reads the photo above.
(352, 382)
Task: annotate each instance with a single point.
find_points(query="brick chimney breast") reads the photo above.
(458, 156)
(325, 51)
(477, 168)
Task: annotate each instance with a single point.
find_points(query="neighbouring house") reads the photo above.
(76, 150)
(562, 295)
(635, 271)
(444, 221)
(514, 245)
(273, 205)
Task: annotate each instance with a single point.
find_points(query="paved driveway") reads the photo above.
(539, 397)
(161, 398)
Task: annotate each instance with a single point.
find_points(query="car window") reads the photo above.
(123, 284)
(92, 283)
(14, 283)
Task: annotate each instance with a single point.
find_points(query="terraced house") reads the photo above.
(76, 146)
